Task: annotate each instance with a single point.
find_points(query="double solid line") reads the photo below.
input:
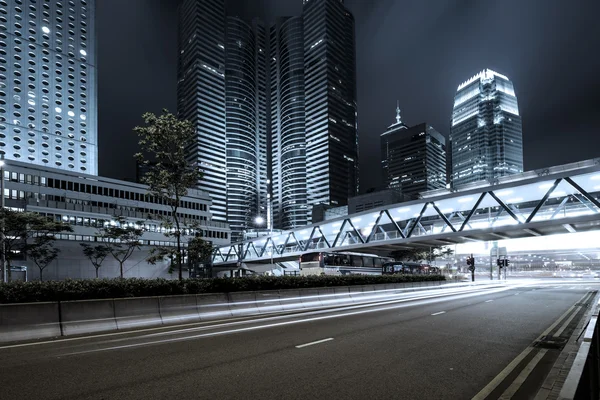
(516, 384)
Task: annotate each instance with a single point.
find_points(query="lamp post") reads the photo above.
(3, 256)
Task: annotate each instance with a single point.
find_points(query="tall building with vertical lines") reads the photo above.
(288, 136)
(48, 110)
(201, 92)
(330, 102)
(486, 137)
(245, 123)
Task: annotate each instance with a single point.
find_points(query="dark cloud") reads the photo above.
(413, 51)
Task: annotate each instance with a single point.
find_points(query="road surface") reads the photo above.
(449, 347)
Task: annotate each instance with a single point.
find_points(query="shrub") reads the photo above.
(67, 290)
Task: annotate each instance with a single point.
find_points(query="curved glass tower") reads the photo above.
(48, 112)
(245, 123)
(288, 140)
(201, 92)
(486, 137)
(331, 110)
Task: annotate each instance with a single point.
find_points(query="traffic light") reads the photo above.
(506, 263)
(499, 263)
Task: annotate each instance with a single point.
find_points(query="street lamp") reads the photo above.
(259, 220)
(3, 256)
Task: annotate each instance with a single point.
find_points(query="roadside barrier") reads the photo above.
(583, 380)
(22, 322)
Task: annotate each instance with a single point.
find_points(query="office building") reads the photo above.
(48, 84)
(288, 135)
(88, 203)
(330, 102)
(201, 92)
(413, 158)
(486, 138)
(246, 123)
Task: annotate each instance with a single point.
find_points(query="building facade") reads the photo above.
(201, 92)
(48, 113)
(486, 138)
(288, 135)
(245, 123)
(413, 158)
(330, 102)
(88, 203)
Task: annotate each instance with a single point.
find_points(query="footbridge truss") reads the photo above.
(536, 206)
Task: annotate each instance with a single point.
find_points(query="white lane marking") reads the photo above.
(572, 287)
(489, 301)
(438, 313)
(564, 326)
(516, 294)
(512, 389)
(486, 391)
(312, 343)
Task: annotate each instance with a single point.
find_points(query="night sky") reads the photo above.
(414, 51)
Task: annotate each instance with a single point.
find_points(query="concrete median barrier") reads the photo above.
(290, 299)
(87, 316)
(213, 306)
(137, 312)
(28, 321)
(310, 298)
(242, 303)
(178, 309)
(268, 301)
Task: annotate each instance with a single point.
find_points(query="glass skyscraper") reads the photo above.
(288, 136)
(201, 93)
(413, 158)
(330, 102)
(48, 112)
(486, 138)
(245, 123)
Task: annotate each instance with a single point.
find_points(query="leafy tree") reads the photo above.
(199, 250)
(42, 252)
(96, 254)
(422, 253)
(20, 228)
(122, 239)
(170, 173)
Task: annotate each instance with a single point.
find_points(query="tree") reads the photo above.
(96, 254)
(42, 252)
(121, 238)
(170, 174)
(20, 229)
(422, 253)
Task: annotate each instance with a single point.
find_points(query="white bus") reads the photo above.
(345, 263)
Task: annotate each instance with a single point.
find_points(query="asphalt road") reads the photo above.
(439, 348)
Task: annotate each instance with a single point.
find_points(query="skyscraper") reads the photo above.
(413, 158)
(245, 123)
(201, 92)
(288, 136)
(48, 112)
(486, 139)
(330, 102)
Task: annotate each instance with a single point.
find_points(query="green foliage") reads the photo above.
(23, 292)
(121, 240)
(422, 253)
(163, 139)
(96, 254)
(42, 252)
(21, 227)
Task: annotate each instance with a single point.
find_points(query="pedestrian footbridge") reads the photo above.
(556, 200)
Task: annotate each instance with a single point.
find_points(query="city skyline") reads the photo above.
(425, 88)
